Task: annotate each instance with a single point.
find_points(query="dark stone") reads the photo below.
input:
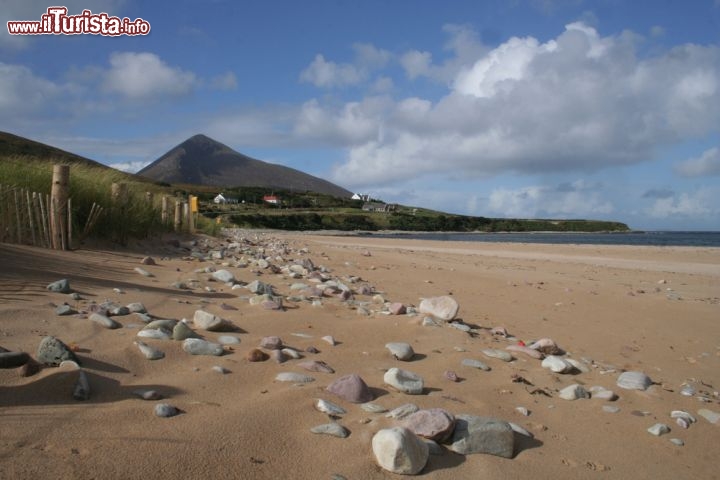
(53, 351)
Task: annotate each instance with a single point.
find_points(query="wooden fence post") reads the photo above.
(58, 209)
(164, 210)
(178, 216)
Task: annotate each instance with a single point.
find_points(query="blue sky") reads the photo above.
(604, 109)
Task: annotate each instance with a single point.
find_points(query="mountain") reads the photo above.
(200, 160)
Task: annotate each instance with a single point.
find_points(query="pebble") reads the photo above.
(104, 321)
(602, 393)
(659, 429)
(165, 324)
(293, 377)
(316, 366)
(444, 307)
(155, 334)
(499, 354)
(404, 381)
(64, 309)
(469, 362)
(148, 261)
(182, 332)
(397, 308)
(527, 351)
(402, 411)
(579, 366)
(522, 411)
(677, 441)
(351, 388)
(196, 346)
(259, 288)
(166, 410)
(143, 272)
(430, 322)
(332, 429)
(279, 356)
(53, 351)
(148, 394)
(208, 321)
(709, 415)
(398, 450)
(228, 340)
(434, 424)
(223, 276)
(610, 409)
(634, 381)
(329, 339)
(150, 353)
(451, 375)
(271, 343)
(220, 369)
(373, 408)
(328, 407)
(82, 387)
(256, 355)
(474, 434)
(573, 392)
(557, 364)
(60, 286)
(400, 350)
(144, 317)
(459, 326)
(136, 307)
(684, 419)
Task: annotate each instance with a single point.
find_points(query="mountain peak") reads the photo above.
(201, 160)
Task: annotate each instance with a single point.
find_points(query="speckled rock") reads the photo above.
(53, 351)
(444, 308)
(634, 381)
(398, 450)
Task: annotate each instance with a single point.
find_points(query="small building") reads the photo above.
(360, 196)
(273, 199)
(221, 199)
(378, 207)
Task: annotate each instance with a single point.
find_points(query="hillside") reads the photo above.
(200, 160)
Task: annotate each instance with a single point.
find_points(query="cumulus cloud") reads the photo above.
(144, 75)
(566, 200)
(578, 102)
(705, 165)
(700, 204)
(130, 167)
(328, 74)
(22, 91)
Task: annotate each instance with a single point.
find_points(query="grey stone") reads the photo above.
(444, 308)
(659, 429)
(119, 311)
(400, 350)
(81, 391)
(182, 332)
(52, 351)
(64, 309)
(332, 429)
(709, 415)
(164, 324)
(61, 286)
(402, 411)
(404, 381)
(260, 288)
(316, 366)
(208, 321)
(196, 346)
(166, 410)
(136, 307)
(143, 272)
(293, 377)
(104, 321)
(398, 450)
(634, 381)
(271, 343)
(351, 388)
(435, 424)
(499, 354)
(228, 340)
(557, 364)
(469, 362)
(474, 434)
(573, 392)
(223, 276)
(151, 353)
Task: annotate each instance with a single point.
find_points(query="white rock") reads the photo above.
(602, 393)
(404, 381)
(329, 407)
(373, 408)
(402, 411)
(499, 354)
(398, 450)
(634, 381)
(580, 366)
(470, 362)
(400, 350)
(332, 429)
(557, 364)
(573, 392)
(223, 276)
(208, 321)
(150, 353)
(444, 308)
(659, 429)
(294, 377)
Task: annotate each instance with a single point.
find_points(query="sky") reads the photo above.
(589, 109)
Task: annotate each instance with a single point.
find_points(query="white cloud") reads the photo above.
(144, 75)
(567, 200)
(130, 167)
(579, 102)
(706, 164)
(700, 204)
(226, 81)
(21, 91)
(327, 74)
(416, 63)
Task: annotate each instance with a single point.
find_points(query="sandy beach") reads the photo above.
(612, 308)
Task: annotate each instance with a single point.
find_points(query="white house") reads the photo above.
(360, 196)
(220, 199)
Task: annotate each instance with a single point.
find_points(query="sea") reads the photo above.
(645, 238)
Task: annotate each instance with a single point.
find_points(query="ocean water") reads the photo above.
(684, 239)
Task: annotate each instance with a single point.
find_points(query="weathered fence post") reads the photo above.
(58, 209)
(164, 210)
(178, 216)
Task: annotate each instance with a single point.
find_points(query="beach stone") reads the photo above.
(573, 392)
(165, 410)
(316, 366)
(260, 288)
(329, 339)
(474, 434)
(429, 322)
(256, 355)
(182, 332)
(402, 411)
(143, 272)
(518, 429)
(220, 369)
(164, 324)
(155, 334)
(398, 450)
(279, 356)
(228, 340)
(104, 321)
(400, 350)
(634, 381)
(444, 308)
(659, 429)
(271, 343)
(579, 366)
(148, 394)
(397, 308)
(332, 429)
(351, 388)
(602, 393)
(151, 353)
(60, 286)
(677, 441)
(293, 377)
(273, 304)
(709, 415)
(434, 424)
(499, 354)
(223, 276)
(469, 362)
(196, 346)
(527, 351)
(329, 407)
(136, 307)
(81, 391)
(557, 364)
(148, 261)
(610, 409)
(373, 408)
(144, 317)
(52, 351)
(13, 359)
(404, 381)
(208, 321)
(64, 309)
(118, 311)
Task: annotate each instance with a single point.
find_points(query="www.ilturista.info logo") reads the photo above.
(57, 22)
